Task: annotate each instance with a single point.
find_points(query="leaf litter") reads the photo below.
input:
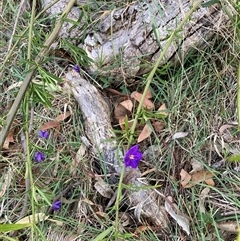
(181, 219)
(124, 109)
(188, 180)
(196, 175)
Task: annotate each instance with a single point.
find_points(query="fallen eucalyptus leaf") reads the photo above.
(146, 103)
(179, 135)
(174, 212)
(127, 104)
(29, 219)
(145, 133)
(185, 178)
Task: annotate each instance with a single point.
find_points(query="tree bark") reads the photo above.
(126, 42)
(96, 115)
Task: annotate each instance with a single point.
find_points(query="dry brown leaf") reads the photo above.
(121, 122)
(103, 188)
(228, 226)
(145, 133)
(210, 182)
(175, 213)
(50, 124)
(127, 104)
(203, 196)
(201, 176)
(146, 103)
(158, 126)
(9, 138)
(196, 166)
(162, 108)
(149, 94)
(63, 116)
(198, 177)
(185, 178)
(141, 229)
(120, 111)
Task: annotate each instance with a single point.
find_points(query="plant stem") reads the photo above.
(25, 84)
(119, 194)
(28, 175)
(149, 79)
(238, 96)
(10, 51)
(151, 74)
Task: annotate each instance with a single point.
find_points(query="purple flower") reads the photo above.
(43, 134)
(77, 68)
(56, 205)
(132, 157)
(39, 156)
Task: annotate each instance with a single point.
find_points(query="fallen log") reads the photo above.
(96, 115)
(125, 43)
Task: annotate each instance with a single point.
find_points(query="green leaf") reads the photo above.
(41, 95)
(13, 227)
(234, 158)
(2, 237)
(43, 196)
(210, 3)
(48, 77)
(78, 54)
(102, 235)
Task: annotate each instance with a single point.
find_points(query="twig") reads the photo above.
(27, 181)
(15, 25)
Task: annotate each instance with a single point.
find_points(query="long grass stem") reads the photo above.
(25, 84)
(153, 71)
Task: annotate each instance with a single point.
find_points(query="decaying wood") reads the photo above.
(125, 42)
(96, 115)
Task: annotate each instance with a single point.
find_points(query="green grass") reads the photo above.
(200, 93)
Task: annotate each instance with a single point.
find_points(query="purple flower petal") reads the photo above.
(132, 157)
(43, 134)
(39, 156)
(56, 205)
(77, 68)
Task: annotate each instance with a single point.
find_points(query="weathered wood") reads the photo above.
(96, 115)
(126, 42)
(123, 44)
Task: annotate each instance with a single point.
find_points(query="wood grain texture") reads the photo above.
(124, 43)
(96, 115)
